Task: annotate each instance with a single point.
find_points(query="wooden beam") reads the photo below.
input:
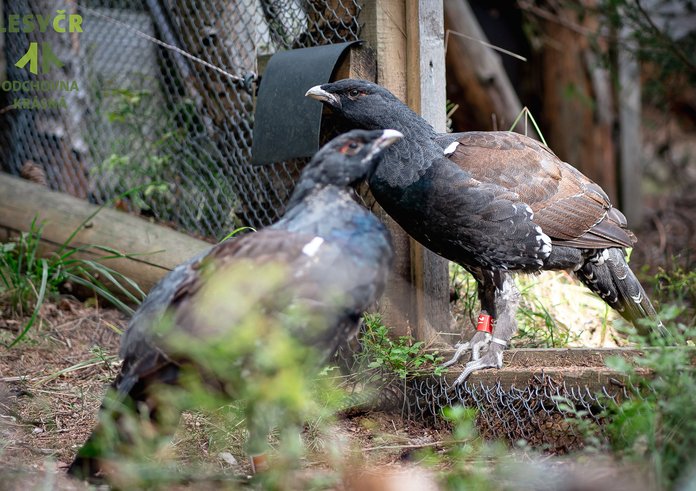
(425, 83)
(159, 248)
(630, 148)
(406, 36)
(577, 367)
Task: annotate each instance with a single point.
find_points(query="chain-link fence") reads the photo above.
(125, 113)
(541, 413)
(134, 115)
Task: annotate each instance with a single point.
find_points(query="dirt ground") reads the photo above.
(52, 383)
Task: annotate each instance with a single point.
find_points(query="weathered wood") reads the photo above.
(359, 63)
(630, 148)
(577, 367)
(426, 95)
(416, 301)
(479, 71)
(158, 249)
(385, 32)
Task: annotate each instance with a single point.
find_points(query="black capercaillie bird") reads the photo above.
(493, 202)
(335, 256)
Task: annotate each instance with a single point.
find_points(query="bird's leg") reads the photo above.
(484, 327)
(507, 298)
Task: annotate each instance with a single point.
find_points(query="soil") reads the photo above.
(52, 383)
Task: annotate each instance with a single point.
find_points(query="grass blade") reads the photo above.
(37, 307)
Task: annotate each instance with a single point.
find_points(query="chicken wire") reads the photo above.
(539, 413)
(544, 412)
(149, 120)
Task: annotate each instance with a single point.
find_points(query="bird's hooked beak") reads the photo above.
(388, 138)
(321, 95)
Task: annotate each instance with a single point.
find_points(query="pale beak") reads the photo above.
(320, 94)
(388, 138)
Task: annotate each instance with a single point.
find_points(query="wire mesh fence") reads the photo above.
(124, 113)
(127, 114)
(537, 413)
(545, 411)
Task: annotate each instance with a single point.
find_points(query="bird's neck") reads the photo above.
(306, 190)
(414, 127)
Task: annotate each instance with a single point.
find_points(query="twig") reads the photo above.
(171, 47)
(484, 43)
(421, 445)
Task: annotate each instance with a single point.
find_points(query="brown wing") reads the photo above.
(569, 207)
(268, 246)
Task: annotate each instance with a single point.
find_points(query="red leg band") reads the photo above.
(485, 323)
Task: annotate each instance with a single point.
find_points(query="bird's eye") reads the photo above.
(354, 93)
(350, 148)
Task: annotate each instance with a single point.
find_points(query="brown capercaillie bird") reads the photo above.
(493, 202)
(330, 259)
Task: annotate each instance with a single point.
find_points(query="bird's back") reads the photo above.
(333, 252)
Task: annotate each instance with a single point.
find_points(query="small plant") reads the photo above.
(27, 280)
(677, 286)
(537, 325)
(657, 425)
(401, 356)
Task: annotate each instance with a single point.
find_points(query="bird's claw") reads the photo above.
(478, 341)
(492, 359)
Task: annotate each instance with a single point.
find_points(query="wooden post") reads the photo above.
(408, 41)
(630, 172)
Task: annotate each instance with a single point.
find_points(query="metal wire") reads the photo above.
(149, 117)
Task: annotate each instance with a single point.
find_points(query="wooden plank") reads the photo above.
(359, 63)
(426, 95)
(407, 38)
(160, 249)
(385, 32)
(577, 367)
(630, 170)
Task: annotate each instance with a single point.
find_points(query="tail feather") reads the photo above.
(609, 276)
(111, 437)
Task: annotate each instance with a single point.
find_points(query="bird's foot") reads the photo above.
(475, 344)
(493, 358)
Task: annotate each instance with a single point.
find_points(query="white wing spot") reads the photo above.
(637, 298)
(451, 148)
(311, 247)
(544, 241)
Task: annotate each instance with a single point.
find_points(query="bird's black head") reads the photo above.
(350, 157)
(361, 103)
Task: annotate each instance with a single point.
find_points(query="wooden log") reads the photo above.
(579, 115)
(478, 70)
(158, 249)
